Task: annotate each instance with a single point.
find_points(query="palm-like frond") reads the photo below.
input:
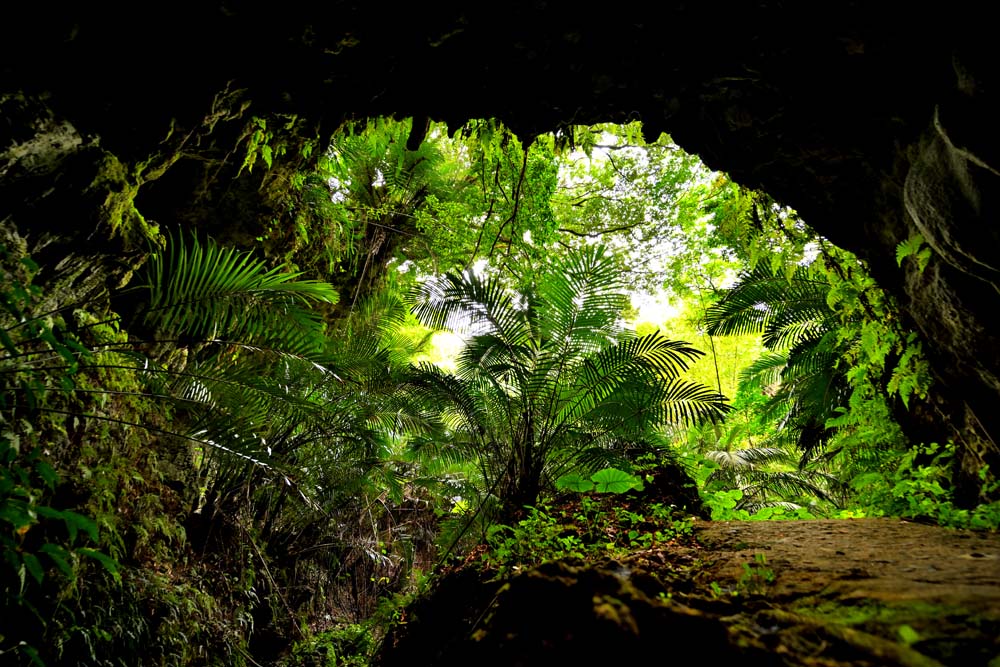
(749, 457)
(801, 371)
(580, 302)
(548, 377)
(470, 304)
(784, 310)
(635, 408)
(209, 292)
(762, 473)
(652, 354)
(765, 372)
(264, 390)
(758, 483)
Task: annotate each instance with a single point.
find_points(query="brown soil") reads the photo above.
(874, 559)
(897, 591)
(863, 593)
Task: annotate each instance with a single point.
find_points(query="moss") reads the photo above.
(117, 209)
(946, 632)
(615, 611)
(155, 166)
(870, 612)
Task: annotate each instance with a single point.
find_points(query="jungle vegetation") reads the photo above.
(255, 452)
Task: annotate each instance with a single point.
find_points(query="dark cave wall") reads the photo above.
(872, 119)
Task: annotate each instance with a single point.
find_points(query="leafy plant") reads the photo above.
(43, 544)
(800, 371)
(347, 645)
(588, 527)
(608, 480)
(921, 490)
(756, 577)
(915, 247)
(550, 380)
(537, 538)
(271, 407)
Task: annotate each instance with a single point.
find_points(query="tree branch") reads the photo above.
(600, 232)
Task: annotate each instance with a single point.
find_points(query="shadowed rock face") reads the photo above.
(562, 613)
(875, 123)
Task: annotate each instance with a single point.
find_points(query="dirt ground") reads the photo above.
(900, 592)
(874, 559)
(858, 593)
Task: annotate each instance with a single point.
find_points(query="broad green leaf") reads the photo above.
(612, 480)
(574, 482)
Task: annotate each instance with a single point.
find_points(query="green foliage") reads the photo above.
(32, 545)
(590, 528)
(755, 483)
(918, 487)
(786, 310)
(425, 209)
(726, 356)
(756, 578)
(375, 200)
(612, 480)
(550, 380)
(265, 143)
(212, 293)
(914, 247)
(608, 480)
(725, 506)
(239, 359)
(342, 644)
(797, 327)
(314, 487)
(45, 544)
(645, 199)
(347, 645)
(838, 359)
(537, 538)
(27, 338)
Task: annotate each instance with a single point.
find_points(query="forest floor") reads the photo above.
(827, 593)
(862, 591)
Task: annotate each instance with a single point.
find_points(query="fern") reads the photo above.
(914, 247)
(209, 292)
(785, 311)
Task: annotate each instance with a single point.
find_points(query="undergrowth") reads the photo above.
(921, 490)
(589, 527)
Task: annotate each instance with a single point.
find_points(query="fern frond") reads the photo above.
(783, 310)
(207, 292)
(749, 457)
